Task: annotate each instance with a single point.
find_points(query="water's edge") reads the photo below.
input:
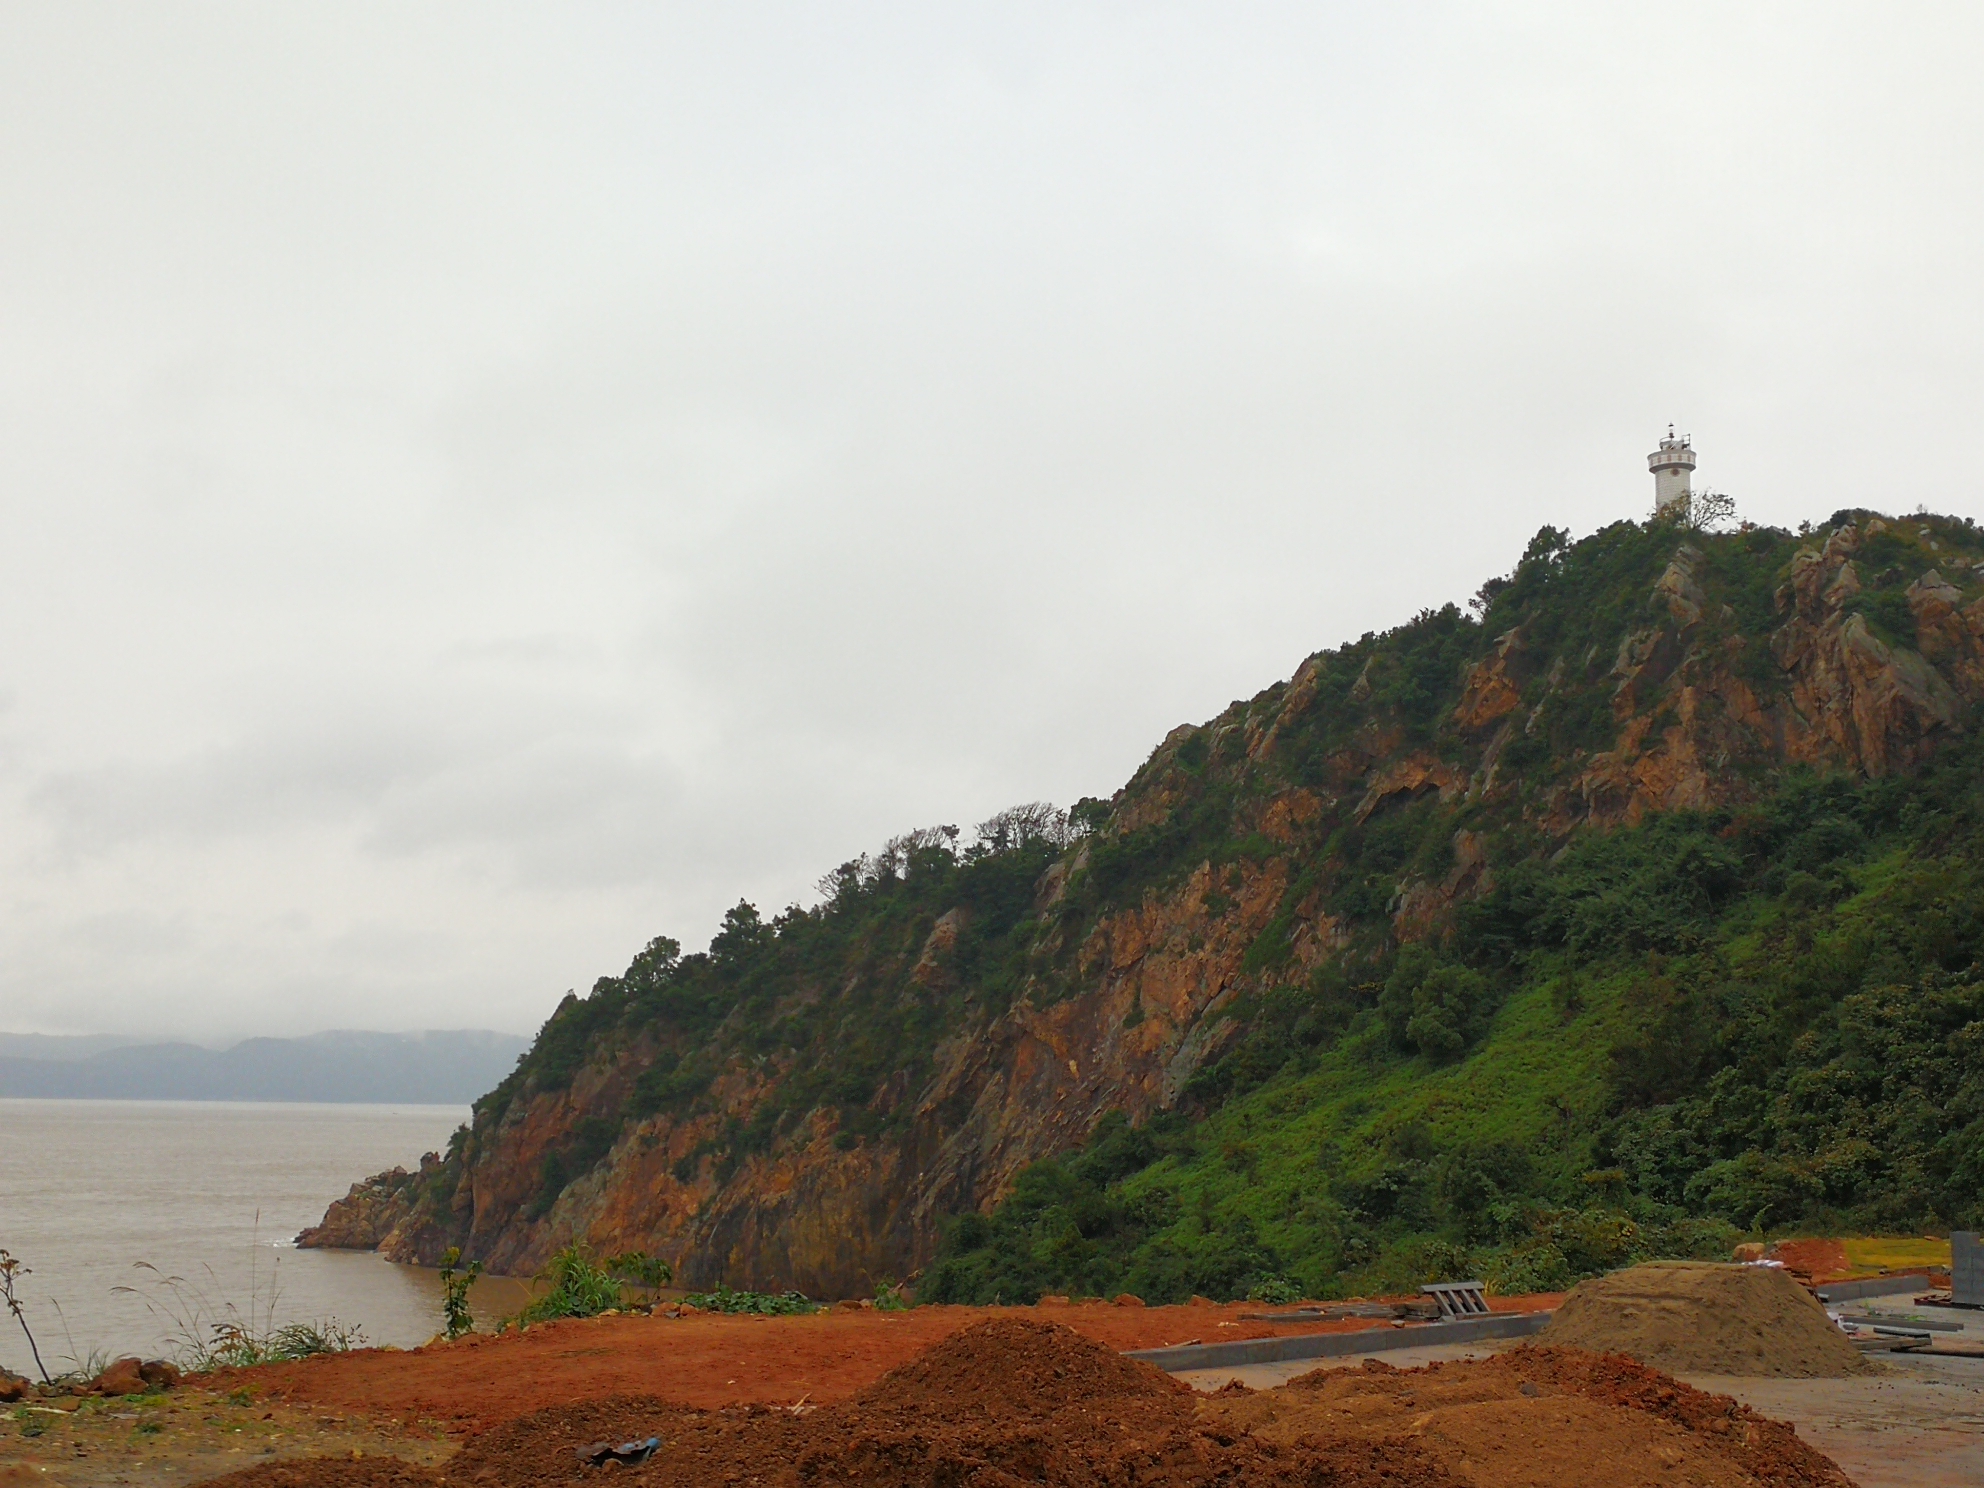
(144, 1223)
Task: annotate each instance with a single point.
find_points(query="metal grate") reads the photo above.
(1966, 1269)
(1458, 1299)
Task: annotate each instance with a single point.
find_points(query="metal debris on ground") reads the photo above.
(627, 1454)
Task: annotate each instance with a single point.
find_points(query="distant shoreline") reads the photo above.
(439, 1068)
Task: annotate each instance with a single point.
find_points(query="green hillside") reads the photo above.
(1630, 908)
(1641, 1042)
(1741, 1021)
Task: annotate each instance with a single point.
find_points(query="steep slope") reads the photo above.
(1385, 866)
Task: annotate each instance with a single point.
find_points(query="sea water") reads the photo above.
(102, 1200)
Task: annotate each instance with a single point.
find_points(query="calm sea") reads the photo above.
(213, 1193)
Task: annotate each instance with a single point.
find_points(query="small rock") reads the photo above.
(1124, 1299)
(1053, 1302)
(124, 1377)
(159, 1374)
(12, 1386)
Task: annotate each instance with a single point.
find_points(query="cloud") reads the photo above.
(476, 499)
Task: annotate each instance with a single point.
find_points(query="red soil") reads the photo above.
(1813, 1260)
(709, 1360)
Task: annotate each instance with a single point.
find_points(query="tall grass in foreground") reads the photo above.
(206, 1332)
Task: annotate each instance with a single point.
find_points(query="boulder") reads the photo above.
(124, 1377)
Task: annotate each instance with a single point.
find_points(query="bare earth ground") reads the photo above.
(1920, 1423)
(418, 1403)
(710, 1360)
(198, 1434)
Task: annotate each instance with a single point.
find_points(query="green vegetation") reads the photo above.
(206, 1333)
(456, 1279)
(759, 999)
(1710, 1024)
(577, 1286)
(778, 1304)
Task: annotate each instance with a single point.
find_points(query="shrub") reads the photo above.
(777, 1304)
(455, 1282)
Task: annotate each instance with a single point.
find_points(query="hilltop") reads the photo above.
(1633, 905)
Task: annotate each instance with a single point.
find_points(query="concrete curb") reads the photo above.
(1336, 1345)
(1873, 1286)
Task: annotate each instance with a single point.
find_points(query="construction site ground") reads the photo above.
(1919, 1422)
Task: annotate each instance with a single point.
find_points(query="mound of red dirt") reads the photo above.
(1020, 1367)
(1014, 1401)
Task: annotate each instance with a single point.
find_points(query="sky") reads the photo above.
(486, 486)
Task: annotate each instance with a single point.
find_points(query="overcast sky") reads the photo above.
(484, 486)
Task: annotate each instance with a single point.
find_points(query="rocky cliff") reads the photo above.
(808, 1101)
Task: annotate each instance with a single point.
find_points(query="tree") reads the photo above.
(1708, 510)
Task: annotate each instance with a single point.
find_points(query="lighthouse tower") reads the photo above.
(1673, 466)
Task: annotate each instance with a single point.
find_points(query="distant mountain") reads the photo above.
(447, 1067)
(60, 1045)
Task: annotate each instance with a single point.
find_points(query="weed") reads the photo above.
(206, 1335)
(148, 1428)
(580, 1287)
(456, 1279)
(1275, 1291)
(10, 1271)
(723, 1299)
(644, 1273)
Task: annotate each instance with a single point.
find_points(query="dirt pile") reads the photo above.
(1541, 1415)
(1014, 1401)
(1691, 1317)
(1021, 1367)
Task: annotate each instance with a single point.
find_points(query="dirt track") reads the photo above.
(708, 1360)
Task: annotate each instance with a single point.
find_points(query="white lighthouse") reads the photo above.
(1673, 466)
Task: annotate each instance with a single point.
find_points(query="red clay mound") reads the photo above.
(1019, 1367)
